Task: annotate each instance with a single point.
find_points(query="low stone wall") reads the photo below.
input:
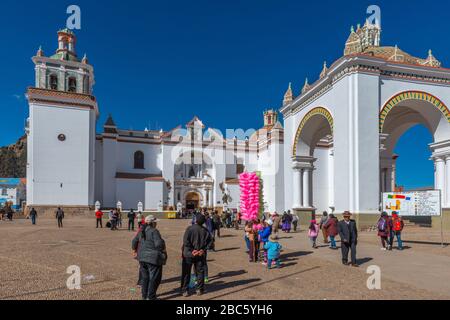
(436, 221)
(50, 211)
(363, 221)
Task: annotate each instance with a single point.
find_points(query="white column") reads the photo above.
(440, 177)
(306, 188)
(210, 198)
(297, 186)
(331, 179)
(447, 187)
(383, 180)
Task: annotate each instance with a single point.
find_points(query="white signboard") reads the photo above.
(413, 204)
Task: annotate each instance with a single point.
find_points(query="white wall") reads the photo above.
(153, 195)
(320, 180)
(61, 172)
(130, 192)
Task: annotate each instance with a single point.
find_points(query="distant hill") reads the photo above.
(13, 159)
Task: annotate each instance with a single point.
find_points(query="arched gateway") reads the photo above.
(341, 157)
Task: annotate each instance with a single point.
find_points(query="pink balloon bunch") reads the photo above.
(249, 184)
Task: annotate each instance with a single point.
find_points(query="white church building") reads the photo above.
(71, 165)
(335, 152)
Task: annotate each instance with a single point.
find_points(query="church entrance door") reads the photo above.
(192, 201)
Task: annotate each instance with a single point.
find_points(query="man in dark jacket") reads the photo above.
(60, 217)
(33, 215)
(131, 217)
(150, 250)
(349, 238)
(196, 241)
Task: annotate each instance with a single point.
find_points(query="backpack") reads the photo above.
(397, 225)
(382, 225)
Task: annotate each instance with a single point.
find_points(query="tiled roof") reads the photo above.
(138, 176)
(60, 94)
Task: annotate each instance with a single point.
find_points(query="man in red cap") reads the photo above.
(349, 238)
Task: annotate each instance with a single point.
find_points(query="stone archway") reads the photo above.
(313, 158)
(192, 200)
(400, 113)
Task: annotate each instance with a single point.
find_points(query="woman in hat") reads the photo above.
(384, 230)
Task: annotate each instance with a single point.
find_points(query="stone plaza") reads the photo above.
(34, 261)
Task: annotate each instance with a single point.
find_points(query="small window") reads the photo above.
(4, 192)
(53, 82)
(139, 160)
(72, 85)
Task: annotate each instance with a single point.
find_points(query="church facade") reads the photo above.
(341, 131)
(190, 166)
(334, 151)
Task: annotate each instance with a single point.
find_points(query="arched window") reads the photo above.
(139, 160)
(72, 84)
(53, 82)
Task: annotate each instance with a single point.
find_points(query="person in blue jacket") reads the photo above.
(273, 252)
(264, 235)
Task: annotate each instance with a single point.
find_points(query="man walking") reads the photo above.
(60, 217)
(195, 244)
(349, 238)
(99, 218)
(33, 215)
(131, 216)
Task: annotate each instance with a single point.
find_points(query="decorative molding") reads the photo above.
(412, 95)
(316, 111)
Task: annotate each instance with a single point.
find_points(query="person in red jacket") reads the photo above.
(331, 228)
(397, 228)
(99, 217)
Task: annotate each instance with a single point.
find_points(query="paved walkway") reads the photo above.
(34, 259)
(428, 271)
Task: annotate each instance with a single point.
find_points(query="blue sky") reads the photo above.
(159, 63)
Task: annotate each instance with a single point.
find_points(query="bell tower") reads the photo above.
(61, 129)
(270, 118)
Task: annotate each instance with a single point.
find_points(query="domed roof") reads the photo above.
(397, 55)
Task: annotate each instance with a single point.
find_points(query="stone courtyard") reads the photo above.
(34, 259)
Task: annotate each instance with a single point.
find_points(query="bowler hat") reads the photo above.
(347, 214)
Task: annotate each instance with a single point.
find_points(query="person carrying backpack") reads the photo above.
(383, 230)
(150, 249)
(397, 228)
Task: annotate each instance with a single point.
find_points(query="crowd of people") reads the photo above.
(261, 240)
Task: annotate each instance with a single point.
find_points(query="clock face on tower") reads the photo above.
(62, 137)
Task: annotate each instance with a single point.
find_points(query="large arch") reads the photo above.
(313, 161)
(318, 112)
(400, 113)
(412, 95)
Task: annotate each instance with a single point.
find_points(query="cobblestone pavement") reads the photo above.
(34, 260)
